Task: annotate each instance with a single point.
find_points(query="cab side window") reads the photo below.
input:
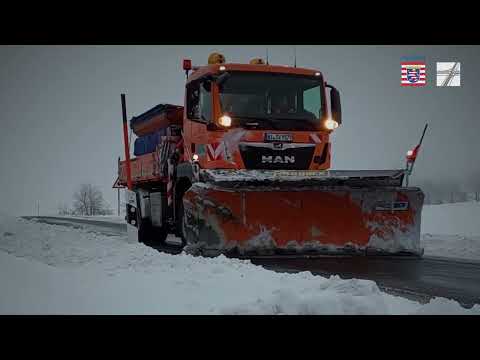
(193, 101)
(199, 102)
(205, 102)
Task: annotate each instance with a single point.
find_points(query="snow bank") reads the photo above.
(47, 269)
(107, 218)
(452, 219)
(58, 245)
(452, 230)
(347, 297)
(452, 246)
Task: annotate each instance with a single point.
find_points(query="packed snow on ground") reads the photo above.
(452, 230)
(106, 218)
(448, 230)
(48, 269)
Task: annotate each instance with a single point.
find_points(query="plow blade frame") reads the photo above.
(302, 219)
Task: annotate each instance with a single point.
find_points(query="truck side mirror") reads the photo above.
(335, 105)
(207, 85)
(222, 78)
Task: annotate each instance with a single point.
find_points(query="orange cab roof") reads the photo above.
(282, 69)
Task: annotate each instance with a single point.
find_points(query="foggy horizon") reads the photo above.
(62, 126)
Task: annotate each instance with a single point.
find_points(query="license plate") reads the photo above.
(303, 173)
(278, 137)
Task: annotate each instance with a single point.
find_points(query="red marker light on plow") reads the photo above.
(412, 154)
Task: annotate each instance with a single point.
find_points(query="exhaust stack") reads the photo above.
(125, 141)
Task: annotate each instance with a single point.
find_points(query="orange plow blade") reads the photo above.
(294, 219)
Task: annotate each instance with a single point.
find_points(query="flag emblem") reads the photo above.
(413, 74)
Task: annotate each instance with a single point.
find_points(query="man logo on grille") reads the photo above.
(269, 159)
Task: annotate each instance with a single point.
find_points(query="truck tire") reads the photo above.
(143, 231)
(180, 225)
(151, 235)
(158, 235)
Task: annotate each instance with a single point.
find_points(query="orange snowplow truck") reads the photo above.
(243, 168)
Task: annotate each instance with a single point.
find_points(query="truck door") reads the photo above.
(199, 113)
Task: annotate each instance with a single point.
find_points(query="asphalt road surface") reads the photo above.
(413, 278)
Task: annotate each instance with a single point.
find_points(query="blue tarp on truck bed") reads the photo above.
(148, 143)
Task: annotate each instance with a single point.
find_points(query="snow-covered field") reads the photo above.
(452, 230)
(48, 269)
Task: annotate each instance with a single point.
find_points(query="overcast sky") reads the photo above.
(61, 116)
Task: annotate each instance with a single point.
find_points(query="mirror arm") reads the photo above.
(220, 79)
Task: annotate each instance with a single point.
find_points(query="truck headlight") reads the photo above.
(331, 124)
(225, 121)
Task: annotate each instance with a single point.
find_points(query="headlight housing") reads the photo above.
(330, 124)
(225, 121)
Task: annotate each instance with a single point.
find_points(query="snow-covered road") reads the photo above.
(52, 269)
(448, 230)
(416, 279)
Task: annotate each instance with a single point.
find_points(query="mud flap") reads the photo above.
(219, 220)
(132, 216)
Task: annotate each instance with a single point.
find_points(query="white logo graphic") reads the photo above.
(278, 159)
(315, 138)
(448, 74)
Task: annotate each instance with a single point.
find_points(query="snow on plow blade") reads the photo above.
(334, 214)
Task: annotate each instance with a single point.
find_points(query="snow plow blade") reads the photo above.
(331, 212)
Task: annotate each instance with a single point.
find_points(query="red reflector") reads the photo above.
(187, 64)
(412, 154)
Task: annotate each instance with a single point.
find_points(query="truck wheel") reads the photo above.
(158, 235)
(151, 235)
(143, 231)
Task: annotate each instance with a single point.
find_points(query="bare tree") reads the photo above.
(88, 200)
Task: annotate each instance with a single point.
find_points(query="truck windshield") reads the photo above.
(272, 101)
